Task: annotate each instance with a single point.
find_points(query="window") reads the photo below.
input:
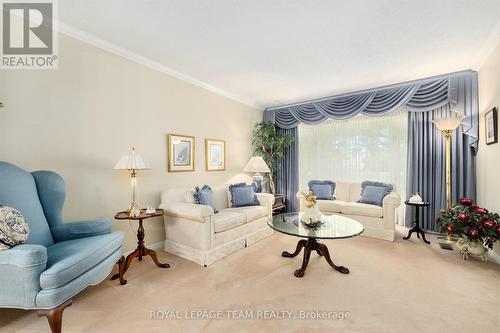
(358, 149)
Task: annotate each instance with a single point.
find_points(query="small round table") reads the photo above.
(416, 228)
(332, 227)
(141, 249)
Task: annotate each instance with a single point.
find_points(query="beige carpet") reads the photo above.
(405, 286)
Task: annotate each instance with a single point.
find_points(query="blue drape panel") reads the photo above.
(287, 180)
(426, 165)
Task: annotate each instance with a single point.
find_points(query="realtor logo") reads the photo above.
(29, 40)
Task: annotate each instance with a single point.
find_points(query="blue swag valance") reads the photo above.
(458, 91)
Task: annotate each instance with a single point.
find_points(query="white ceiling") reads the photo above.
(268, 53)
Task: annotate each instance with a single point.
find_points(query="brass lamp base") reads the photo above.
(134, 210)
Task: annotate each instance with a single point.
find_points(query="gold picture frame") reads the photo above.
(181, 152)
(215, 155)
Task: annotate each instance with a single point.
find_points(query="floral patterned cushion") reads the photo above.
(13, 228)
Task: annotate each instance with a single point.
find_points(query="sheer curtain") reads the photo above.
(357, 149)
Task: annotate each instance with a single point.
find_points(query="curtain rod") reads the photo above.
(431, 78)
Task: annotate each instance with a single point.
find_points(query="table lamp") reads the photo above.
(257, 165)
(447, 126)
(133, 163)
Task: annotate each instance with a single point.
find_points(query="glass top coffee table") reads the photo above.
(331, 227)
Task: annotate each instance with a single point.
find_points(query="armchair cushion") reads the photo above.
(74, 230)
(24, 255)
(69, 259)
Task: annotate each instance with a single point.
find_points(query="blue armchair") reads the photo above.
(58, 259)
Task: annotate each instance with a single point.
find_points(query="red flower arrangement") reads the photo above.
(468, 220)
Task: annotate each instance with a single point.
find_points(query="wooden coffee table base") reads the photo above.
(311, 244)
(140, 252)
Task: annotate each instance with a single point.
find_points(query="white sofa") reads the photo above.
(195, 232)
(379, 222)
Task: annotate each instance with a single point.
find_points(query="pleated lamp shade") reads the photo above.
(132, 162)
(256, 164)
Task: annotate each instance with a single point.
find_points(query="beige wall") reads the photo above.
(488, 158)
(78, 120)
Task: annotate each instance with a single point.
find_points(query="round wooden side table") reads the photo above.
(416, 228)
(141, 249)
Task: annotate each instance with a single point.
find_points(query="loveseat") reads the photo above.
(379, 222)
(195, 232)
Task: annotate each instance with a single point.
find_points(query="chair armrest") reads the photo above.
(24, 255)
(20, 269)
(390, 204)
(392, 199)
(188, 210)
(81, 229)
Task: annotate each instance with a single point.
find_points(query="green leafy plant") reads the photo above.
(1, 105)
(270, 145)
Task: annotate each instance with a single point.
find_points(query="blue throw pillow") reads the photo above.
(204, 196)
(373, 193)
(243, 195)
(322, 189)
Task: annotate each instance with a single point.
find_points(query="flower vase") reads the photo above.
(474, 248)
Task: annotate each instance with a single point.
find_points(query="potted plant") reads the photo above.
(269, 144)
(477, 227)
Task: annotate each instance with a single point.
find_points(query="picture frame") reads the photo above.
(491, 126)
(181, 152)
(215, 155)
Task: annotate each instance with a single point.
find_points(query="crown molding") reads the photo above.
(489, 46)
(135, 57)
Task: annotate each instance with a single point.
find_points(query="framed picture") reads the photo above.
(215, 155)
(491, 126)
(180, 153)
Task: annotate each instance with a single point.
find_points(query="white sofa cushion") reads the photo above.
(219, 196)
(251, 213)
(355, 208)
(342, 190)
(354, 192)
(189, 196)
(225, 220)
(333, 206)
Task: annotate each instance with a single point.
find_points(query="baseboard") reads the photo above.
(154, 246)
